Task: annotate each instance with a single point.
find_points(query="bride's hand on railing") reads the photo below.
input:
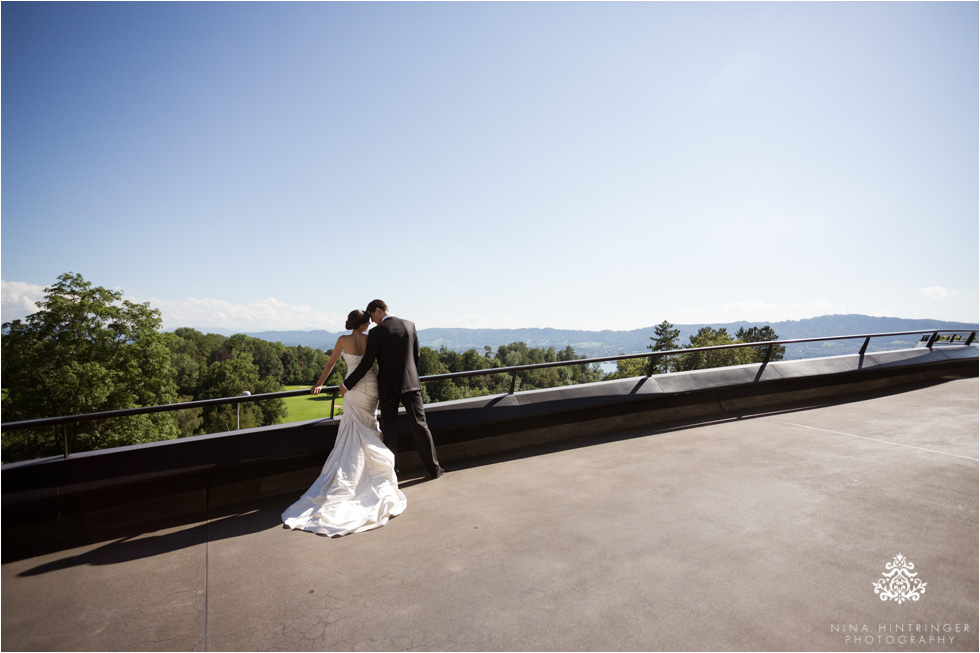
(315, 390)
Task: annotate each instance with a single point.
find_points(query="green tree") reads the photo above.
(266, 355)
(187, 359)
(514, 354)
(761, 334)
(86, 350)
(189, 420)
(431, 364)
(473, 361)
(290, 366)
(665, 339)
(185, 347)
(518, 353)
(452, 360)
(708, 337)
(475, 386)
(273, 410)
(309, 363)
(212, 366)
(230, 378)
(628, 368)
(577, 374)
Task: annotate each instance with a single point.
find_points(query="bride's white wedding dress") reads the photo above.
(357, 489)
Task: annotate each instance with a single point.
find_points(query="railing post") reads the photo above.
(652, 365)
(333, 402)
(513, 382)
(969, 341)
(64, 437)
(765, 361)
(932, 340)
(238, 410)
(864, 347)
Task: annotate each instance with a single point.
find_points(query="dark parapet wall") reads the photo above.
(55, 502)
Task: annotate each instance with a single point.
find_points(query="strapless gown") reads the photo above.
(357, 489)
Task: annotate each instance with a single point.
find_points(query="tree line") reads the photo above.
(89, 350)
(665, 338)
(515, 354)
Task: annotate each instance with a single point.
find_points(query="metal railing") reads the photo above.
(930, 337)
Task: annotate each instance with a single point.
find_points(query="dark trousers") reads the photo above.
(416, 419)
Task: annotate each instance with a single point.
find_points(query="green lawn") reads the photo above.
(309, 406)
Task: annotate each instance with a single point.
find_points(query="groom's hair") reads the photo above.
(375, 305)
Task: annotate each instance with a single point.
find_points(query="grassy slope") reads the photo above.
(309, 406)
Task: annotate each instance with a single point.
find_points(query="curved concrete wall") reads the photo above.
(85, 494)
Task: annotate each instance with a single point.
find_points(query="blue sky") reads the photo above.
(252, 166)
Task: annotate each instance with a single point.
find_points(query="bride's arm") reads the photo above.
(315, 390)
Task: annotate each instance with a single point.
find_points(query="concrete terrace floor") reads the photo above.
(766, 532)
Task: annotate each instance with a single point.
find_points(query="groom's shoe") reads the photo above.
(439, 472)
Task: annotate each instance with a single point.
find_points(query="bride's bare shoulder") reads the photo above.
(358, 344)
(353, 344)
(344, 342)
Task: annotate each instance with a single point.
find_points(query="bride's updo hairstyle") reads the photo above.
(356, 318)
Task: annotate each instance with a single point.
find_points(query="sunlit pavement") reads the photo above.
(768, 532)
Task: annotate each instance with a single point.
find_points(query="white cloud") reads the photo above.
(268, 314)
(937, 292)
(19, 299)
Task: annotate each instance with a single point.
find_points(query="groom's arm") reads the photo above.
(370, 354)
(415, 347)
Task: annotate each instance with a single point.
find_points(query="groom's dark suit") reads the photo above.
(395, 345)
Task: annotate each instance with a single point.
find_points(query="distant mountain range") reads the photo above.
(611, 343)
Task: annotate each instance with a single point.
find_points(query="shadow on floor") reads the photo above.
(258, 516)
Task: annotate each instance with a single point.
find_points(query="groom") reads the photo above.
(395, 345)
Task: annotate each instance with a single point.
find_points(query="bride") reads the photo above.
(357, 489)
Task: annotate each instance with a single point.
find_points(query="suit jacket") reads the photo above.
(394, 344)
